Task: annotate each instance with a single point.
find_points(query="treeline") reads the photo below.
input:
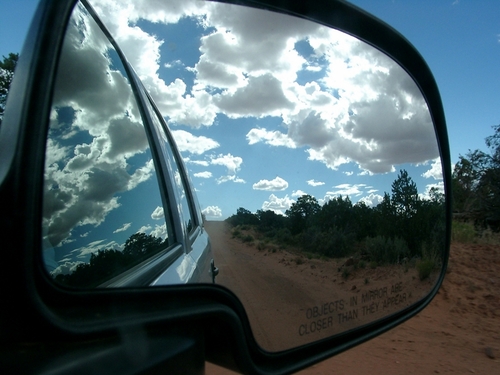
(106, 264)
(402, 226)
(476, 185)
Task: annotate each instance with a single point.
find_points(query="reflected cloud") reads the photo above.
(361, 107)
(97, 157)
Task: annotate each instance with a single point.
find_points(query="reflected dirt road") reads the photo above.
(292, 300)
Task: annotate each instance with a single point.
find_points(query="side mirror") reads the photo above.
(322, 273)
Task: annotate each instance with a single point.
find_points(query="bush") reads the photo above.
(345, 273)
(425, 267)
(335, 243)
(283, 236)
(298, 261)
(462, 232)
(261, 246)
(236, 233)
(248, 238)
(386, 250)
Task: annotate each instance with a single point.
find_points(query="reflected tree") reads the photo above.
(404, 195)
(402, 226)
(7, 67)
(302, 213)
(106, 264)
(140, 244)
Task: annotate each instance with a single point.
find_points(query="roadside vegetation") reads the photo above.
(476, 194)
(402, 228)
(476, 187)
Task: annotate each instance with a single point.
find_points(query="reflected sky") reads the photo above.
(272, 107)
(98, 163)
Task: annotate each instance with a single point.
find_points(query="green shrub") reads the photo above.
(462, 232)
(261, 246)
(425, 267)
(335, 243)
(248, 238)
(345, 273)
(298, 261)
(283, 236)
(236, 233)
(386, 250)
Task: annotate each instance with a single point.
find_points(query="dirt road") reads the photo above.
(458, 333)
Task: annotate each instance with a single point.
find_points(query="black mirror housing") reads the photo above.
(47, 328)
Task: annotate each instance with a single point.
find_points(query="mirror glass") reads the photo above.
(312, 154)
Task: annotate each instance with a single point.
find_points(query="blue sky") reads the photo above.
(460, 40)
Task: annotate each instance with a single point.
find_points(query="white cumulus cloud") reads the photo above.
(273, 138)
(157, 213)
(232, 163)
(205, 174)
(315, 183)
(436, 171)
(212, 212)
(278, 205)
(277, 184)
(187, 142)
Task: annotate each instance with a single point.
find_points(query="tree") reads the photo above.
(7, 67)
(463, 181)
(243, 217)
(487, 166)
(404, 195)
(141, 244)
(363, 217)
(476, 183)
(336, 213)
(302, 212)
(269, 220)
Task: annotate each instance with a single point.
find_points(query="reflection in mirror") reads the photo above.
(98, 167)
(313, 155)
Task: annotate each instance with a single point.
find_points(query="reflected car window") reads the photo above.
(185, 210)
(102, 206)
